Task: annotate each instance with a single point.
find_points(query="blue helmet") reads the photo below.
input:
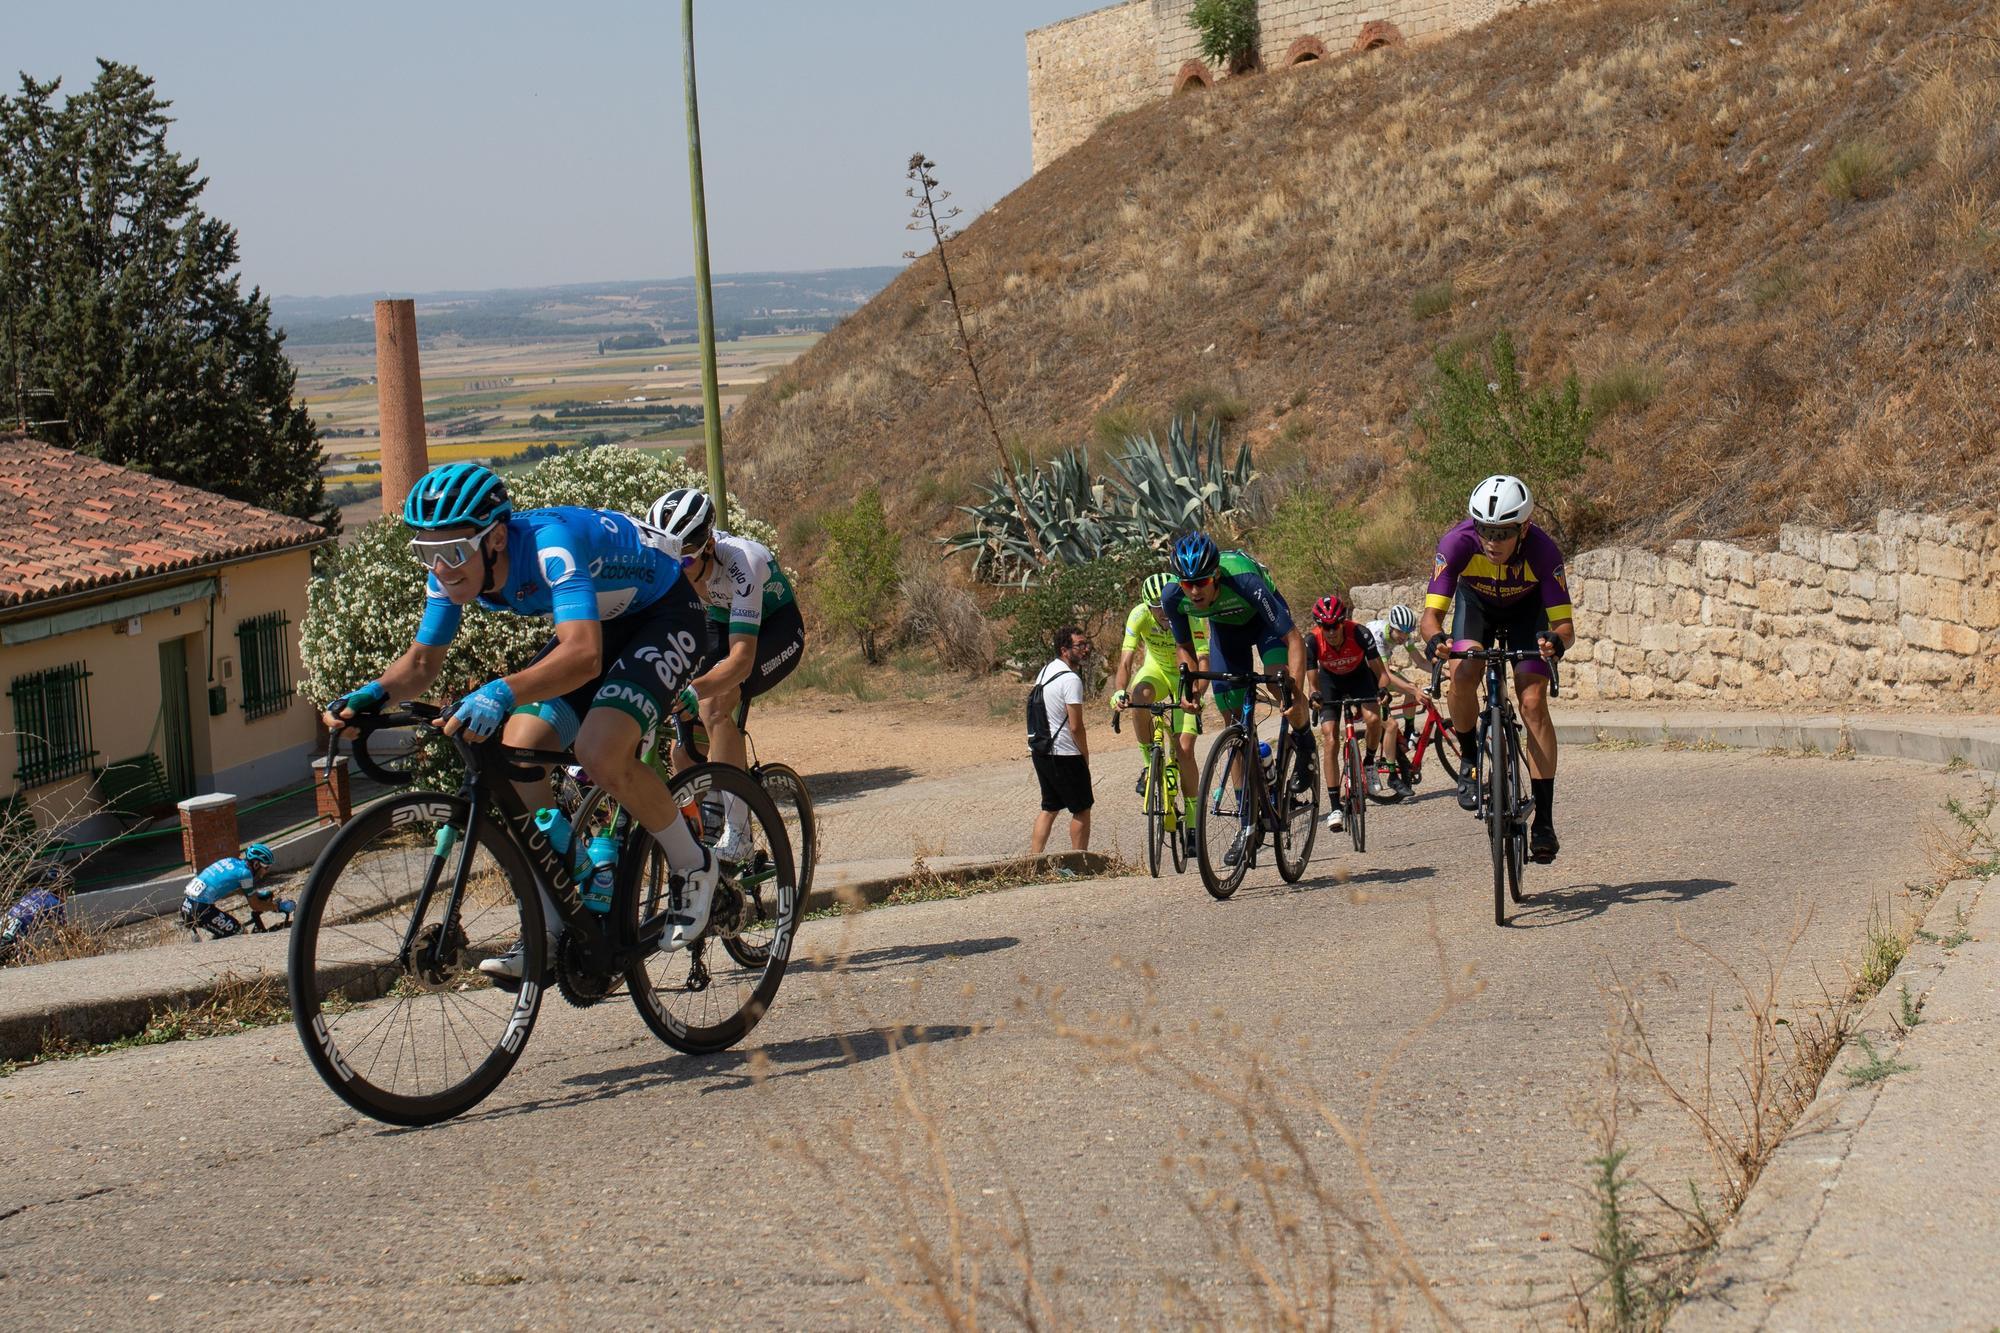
(1195, 556)
(257, 854)
(457, 493)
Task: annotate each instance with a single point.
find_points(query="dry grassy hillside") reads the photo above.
(1770, 229)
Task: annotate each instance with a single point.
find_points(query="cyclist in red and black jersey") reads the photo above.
(1347, 664)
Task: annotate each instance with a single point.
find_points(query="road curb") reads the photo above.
(26, 1028)
(1754, 1267)
(1829, 734)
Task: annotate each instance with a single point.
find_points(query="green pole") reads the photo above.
(711, 393)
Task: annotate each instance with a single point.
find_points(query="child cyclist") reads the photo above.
(1150, 643)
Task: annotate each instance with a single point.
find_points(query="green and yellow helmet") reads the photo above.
(1155, 588)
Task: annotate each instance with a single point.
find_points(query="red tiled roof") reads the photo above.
(69, 523)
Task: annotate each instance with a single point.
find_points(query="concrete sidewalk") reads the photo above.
(1931, 738)
(1881, 1209)
(115, 995)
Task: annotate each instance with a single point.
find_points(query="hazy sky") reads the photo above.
(413, 146)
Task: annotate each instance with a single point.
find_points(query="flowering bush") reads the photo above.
(362, 610)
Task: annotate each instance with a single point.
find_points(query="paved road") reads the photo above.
(218, 1182)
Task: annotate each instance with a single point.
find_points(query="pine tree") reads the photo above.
(122, 317)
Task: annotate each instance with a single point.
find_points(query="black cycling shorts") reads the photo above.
(781, 642)
(1474, 623)
(650, 655)
(1358, 686)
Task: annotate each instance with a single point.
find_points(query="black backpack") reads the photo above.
(1041, 740)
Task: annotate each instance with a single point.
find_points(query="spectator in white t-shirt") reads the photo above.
(1064, 772)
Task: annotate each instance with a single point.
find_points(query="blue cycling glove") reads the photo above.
(482, 711)
(364, 700)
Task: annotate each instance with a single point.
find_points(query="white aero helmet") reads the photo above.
(685, 515)
(1501, 499)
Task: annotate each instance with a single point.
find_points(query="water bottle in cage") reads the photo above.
(1270, 763)
(711, 819)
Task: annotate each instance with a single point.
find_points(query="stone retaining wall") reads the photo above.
(1112, 59)
(1905, 614)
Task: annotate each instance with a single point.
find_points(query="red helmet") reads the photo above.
(1330, 610)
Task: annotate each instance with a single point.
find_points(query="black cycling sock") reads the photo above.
(1368, 759)
(1468, 747)
(1545, 799)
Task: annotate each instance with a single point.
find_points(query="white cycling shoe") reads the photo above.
(734, 844)
(694, 901)
(508, 966)
(1334, 822)
(508, 969)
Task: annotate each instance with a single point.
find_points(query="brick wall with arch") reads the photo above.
(1086, 69)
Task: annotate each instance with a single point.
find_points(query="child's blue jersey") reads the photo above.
(229, 875)
(570, 563)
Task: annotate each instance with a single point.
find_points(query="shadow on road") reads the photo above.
(726, 1071)
(845, 784)
(895, 955)
(1556, 907)
(1361, 880)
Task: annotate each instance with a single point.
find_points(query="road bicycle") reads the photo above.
(1162, 795)
(1434, 736)
(785, 787)
(1505, 802)
(1353, 770)
(1240, 802)
(420, 887)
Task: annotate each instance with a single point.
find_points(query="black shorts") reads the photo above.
(1065, 780)
(1358, 686)
(650, 654)
(1474, 622)
(781, 642)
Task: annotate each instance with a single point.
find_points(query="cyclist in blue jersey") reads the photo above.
(628, 633)
(223, 880)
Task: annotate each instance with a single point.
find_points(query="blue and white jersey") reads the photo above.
(570, 563)
(229, 875)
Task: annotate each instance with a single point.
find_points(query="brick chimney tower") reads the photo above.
(399, 392)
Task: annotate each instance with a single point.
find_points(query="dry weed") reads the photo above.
(1743, 1110)
(939, 613)
(1305, 1234)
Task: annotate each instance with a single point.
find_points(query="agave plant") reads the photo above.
(1187, 485)
(1065, 506)
(1077, 518)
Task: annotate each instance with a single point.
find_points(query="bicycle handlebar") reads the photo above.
(1447, 653)
(1156, 710)
(1247, 678)
(417, 714)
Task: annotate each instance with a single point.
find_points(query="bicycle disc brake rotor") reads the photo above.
(576, 980)
(451, 958)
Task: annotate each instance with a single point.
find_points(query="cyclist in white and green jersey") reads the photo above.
(1149, 644)
(755, 633)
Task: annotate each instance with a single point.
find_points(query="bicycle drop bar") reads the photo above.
(1157, 710)
(518, 762)
(1249, 679)
(1493, 656)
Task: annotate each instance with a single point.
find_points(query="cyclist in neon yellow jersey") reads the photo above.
(1150, 644)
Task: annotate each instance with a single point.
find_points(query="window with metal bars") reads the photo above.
(267, 666)
(52, 724)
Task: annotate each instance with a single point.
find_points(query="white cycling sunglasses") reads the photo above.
(454, 551)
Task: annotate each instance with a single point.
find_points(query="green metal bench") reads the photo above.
(134, 788)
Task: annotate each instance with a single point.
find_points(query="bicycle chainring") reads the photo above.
(576, 981)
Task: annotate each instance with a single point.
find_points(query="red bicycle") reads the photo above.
(1352, 796)
(1434, 734)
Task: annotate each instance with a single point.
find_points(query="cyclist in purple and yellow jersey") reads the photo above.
(1502, 576)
